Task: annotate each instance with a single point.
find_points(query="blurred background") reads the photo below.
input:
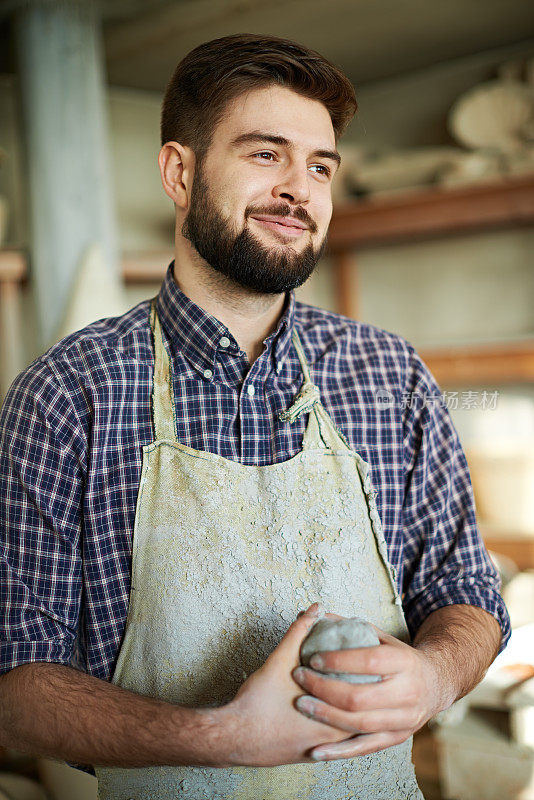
(431, 238)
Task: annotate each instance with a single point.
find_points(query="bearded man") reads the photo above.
(178, 483)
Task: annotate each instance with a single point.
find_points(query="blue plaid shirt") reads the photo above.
(73, 425)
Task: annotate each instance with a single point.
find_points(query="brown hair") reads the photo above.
(216, 72)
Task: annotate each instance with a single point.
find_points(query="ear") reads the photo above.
(176, 166)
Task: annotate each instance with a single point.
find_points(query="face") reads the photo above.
(261, 201)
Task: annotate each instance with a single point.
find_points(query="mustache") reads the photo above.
(284, 211)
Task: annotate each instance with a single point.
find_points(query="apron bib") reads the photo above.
(224, 557)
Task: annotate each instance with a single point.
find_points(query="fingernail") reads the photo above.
(316, 662)
(305, 704)
(319, 611)
(298, 673)
(318, 755)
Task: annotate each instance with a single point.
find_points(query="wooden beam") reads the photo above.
(344, 272)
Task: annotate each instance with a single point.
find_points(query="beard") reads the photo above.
(242, 257)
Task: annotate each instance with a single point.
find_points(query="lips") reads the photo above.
(286, 222)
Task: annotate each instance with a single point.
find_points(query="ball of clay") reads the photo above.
(340, 634)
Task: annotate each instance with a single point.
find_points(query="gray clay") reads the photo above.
(339, 634)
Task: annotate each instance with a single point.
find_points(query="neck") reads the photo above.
(250, 317)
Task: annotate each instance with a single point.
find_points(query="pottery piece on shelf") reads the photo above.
(522, 162)
(352, 155)
(472, 167)
(402, 169)
(497, 114)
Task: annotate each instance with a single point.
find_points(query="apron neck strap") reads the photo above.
(320, 430)
(163, 411)
(302, 359)
(308, 394)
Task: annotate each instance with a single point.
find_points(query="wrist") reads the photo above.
(207, 738)
(438, 678)
(226, 736)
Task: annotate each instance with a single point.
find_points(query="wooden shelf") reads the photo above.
(143, 268)
(428, 213)
(519, 548)
(510, 362)
(146, 267)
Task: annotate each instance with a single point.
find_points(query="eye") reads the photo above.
(263, 153)
(325, 169)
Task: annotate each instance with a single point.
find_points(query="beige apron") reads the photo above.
(224, 557)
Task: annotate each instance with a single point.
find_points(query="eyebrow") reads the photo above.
(260, 136)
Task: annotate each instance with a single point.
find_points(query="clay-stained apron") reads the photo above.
(224, 557)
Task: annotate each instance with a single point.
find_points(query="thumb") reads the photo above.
(290, 643)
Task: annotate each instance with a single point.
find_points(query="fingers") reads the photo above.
(381, 659)
(316, 610)
(391, 692)
(298, 630)
(361, 722)
(331, 615)
(339, 693)
(313, 613)
(358, 745)
(386, 638)
(328, 614)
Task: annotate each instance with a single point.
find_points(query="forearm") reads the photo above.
(461, 641)
(59, 712)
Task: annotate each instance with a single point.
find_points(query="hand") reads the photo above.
(261, 721)
(380, 714)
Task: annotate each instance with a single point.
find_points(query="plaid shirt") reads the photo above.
(73, 425)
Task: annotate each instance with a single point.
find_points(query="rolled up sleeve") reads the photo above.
(448, 561)
(42, 453)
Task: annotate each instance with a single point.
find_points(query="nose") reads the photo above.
(294, 185)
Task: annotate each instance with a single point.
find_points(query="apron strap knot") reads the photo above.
(308, 395)
(305, 400)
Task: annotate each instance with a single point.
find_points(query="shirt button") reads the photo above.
(251, 391)
(224, 342)
(208, 373)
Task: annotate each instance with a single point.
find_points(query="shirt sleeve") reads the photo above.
(42, 451)
(448, 562)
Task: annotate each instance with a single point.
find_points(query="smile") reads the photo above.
(284, 228)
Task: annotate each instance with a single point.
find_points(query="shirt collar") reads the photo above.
(198, 334)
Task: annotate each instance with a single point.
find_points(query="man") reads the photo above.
(179, 482)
